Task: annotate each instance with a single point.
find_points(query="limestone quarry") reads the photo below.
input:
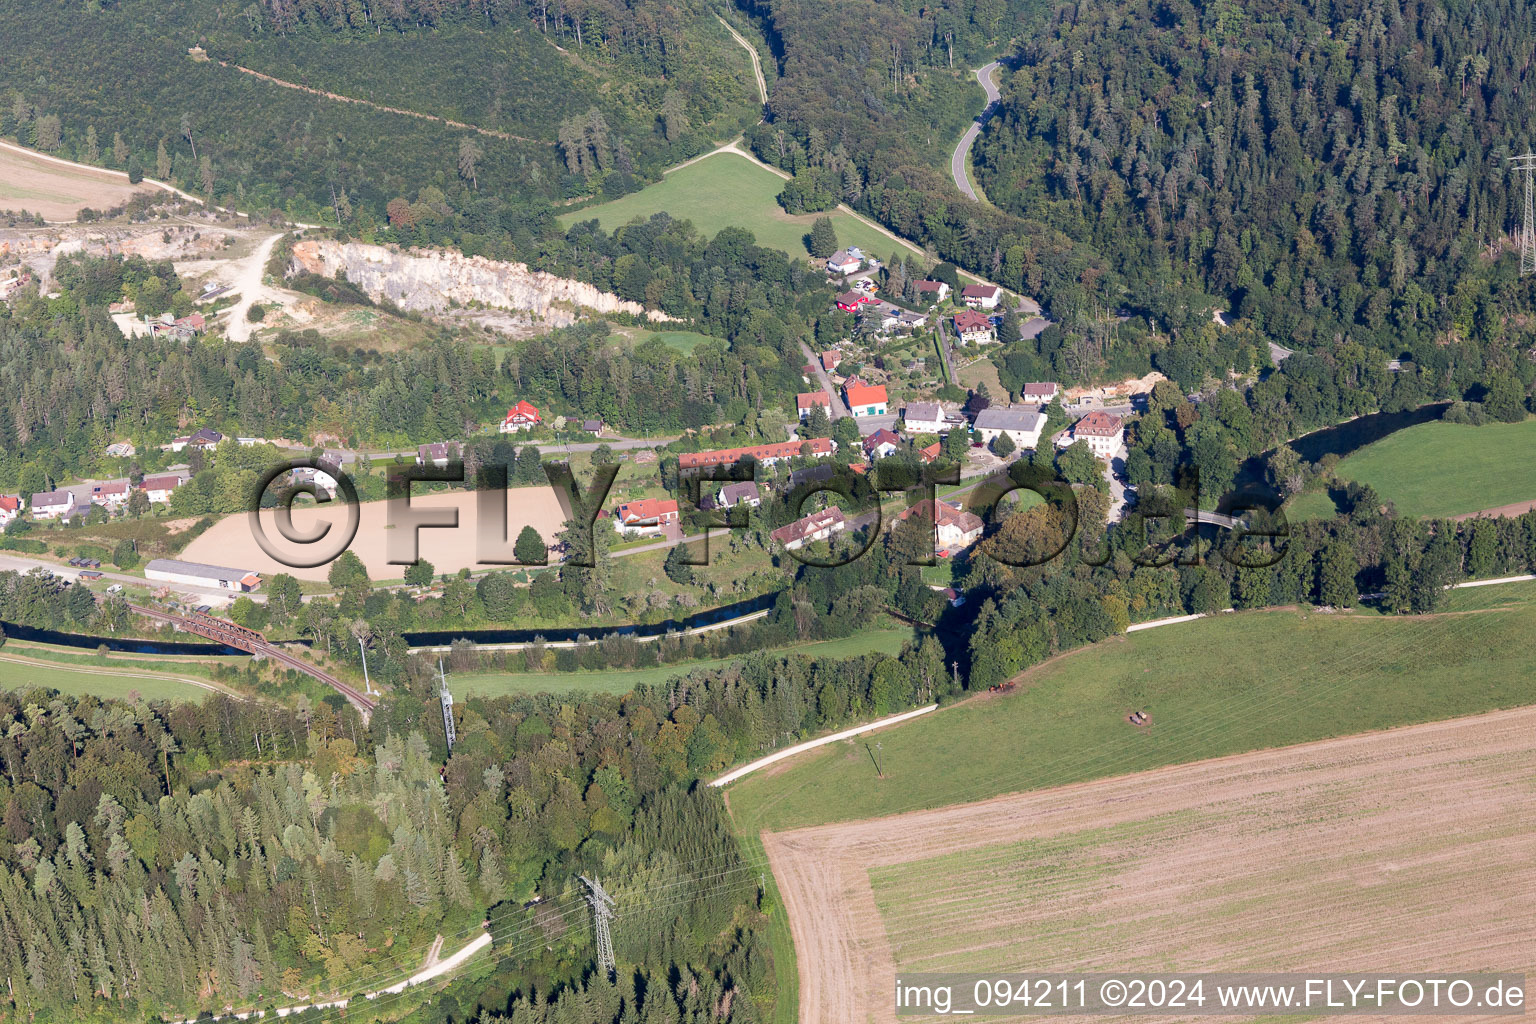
(436, 282)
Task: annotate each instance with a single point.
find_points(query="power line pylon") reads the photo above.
(602, 913)
(1526, 163)
(447, 699)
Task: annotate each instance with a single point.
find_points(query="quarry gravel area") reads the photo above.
(1406, 850)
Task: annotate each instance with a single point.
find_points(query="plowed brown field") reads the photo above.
(1407, 850)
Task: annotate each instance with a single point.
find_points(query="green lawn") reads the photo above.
(109, 681)
(1218, 686)
(496, 684)
(684, 341)
(727, 190)
(1440, 469)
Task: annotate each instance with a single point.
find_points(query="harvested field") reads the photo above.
(230, 541)
(58, 191)
(1403, 850)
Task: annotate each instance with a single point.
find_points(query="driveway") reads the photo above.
(838, 409)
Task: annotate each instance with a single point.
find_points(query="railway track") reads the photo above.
(250, 640)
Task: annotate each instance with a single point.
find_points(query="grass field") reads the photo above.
(1218, 686)
(495, 684)
(110, 680)
(727, 190)
(56, 191)
(684, 341)
(1439, 470)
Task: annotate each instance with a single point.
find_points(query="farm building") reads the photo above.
(200, 574)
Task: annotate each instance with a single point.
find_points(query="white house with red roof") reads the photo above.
(1040, 393)
(522, 416)
(866, 399)
(808, 400)
(111, 494)
(1104, 432)
(981, 296)
(158, 489)
(974, 328)
(10, 507)
(645, 515)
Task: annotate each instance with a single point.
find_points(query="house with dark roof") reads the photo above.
(52, 504)
(844, 262)
(931, 291)
(924, 418)
(742, 492)
(438, 453)
(981, 296)
(1022, 424)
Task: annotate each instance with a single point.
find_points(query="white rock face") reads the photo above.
(433, 280)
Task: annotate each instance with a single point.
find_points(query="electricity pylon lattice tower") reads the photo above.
(1526, 163)
(602, 913)
(447, 699)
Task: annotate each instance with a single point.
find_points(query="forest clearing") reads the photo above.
(1376, 849)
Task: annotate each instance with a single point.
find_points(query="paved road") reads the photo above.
(962, 151)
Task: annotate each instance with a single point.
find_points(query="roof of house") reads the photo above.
(523, 411)
(931, 453)
(592, 426)
(809, 399)
(206, 436)
(803, 528)
(880, 437)
(842, 256)
(48, 499)
(811, 474)
(930, 286)
(116, 487)
(647, 508)
(199, 569)
(1009, 418)
(760, 452)
(10, 502)
(830, 358)
(979, 291)
(742, 491)
(437, 450)
(864, 394)
(969, 320)
(193, 320)
(854, 298)
(923, 412)
(1047, 389)
(163, 482)
(943, 514)
(1097, 424)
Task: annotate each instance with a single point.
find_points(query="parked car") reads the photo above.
(115, 588)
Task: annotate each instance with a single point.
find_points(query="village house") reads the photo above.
(924, 418)
(158, 489)
(1103, 431)
(954, 529)
(1020, 423)
(522, 416)
(766, 454)
(1040, 393)
(744, 492)
(323, 481)
(438, 453)
(931, 454)
(592, 426)
(805, 401)
(865, 399)
(974, 328)
(110, 495)
(981, 296)
(931, 291)
(205, 438)
(844, 262)
(881, 444)
(53, 505)
(830, 359)
(645, 515)
(814, 527)
(10, 507)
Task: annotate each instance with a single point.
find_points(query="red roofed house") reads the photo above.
(1040, 393)
(981, 296)
(954, 529)
(830, 358)
(1103, 432)
(110, 494)
(932, 291)
(849, 302)
(522, 416)
(158, 488)
(808, 400)
(974, 328)
(865, 400)
(767, 454)
(646, 515)
(932, 452)
(881, 444)
(10, 508)
(814, 527)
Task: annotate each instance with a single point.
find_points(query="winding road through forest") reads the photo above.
(962, 152)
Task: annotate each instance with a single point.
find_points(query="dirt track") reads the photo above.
(1410, 849)
(1519, 508)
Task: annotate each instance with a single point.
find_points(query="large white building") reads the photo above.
(1021, 424)
(924, 418)
(1103, 431)
(200, 574)
(53, 505)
